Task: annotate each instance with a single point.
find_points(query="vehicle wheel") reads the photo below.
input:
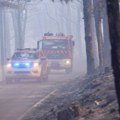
(45, 77)
(39, 79)
(17, 80)
(69, 70)
(49, 71)
(8, 81)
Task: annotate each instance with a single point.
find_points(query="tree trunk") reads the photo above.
(24, 19)
(107, 47)
(88, 36)
(17, 29)
(68, 23)
(19, 24)
(4, 41)
(97, 15)
(94, 38)
(114, 28)
(1, 45)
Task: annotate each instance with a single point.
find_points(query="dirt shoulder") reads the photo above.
(93, 98)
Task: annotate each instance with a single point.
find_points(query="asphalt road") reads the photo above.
(18, 99)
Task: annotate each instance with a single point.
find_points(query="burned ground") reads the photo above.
(89, 98)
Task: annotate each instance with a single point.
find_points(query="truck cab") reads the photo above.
(59, 51)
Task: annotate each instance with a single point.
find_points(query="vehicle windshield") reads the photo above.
(24, 55)
(55, 44)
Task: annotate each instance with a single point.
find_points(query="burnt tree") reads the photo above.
(114, 29)
(107, 47)
(98, 15)
(88, 35)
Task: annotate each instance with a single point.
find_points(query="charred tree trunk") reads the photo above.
(16, 16)
(4, 41)
(88, 36)
(19, 24)
(97, 15)
(114, 28)
(68, 24)
(2, 55)
(107, 56)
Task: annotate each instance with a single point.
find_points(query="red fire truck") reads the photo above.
(59, 51)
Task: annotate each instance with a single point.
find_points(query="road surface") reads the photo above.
(17, 99)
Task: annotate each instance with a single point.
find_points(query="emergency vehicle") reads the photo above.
(59, 51)
(26, 64)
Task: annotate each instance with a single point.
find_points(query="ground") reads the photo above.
(89, 98)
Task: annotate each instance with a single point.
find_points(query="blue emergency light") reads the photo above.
(22, 65)
(16, 65)
(27, 64)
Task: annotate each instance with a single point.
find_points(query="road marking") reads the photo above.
(21, 97)
(45, 98)
(37, 104)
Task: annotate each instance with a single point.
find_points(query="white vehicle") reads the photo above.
(25, 64)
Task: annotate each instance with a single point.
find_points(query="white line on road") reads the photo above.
(45, 98)
(37, 104)
(20, 97)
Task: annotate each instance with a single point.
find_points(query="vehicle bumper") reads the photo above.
(59, 64)
(23, 74)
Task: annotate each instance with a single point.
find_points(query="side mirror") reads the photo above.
(73, 42)
(8, 59)
(38, 44)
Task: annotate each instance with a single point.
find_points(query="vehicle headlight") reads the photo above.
(9, 65)
(68, 62)
(35, 64)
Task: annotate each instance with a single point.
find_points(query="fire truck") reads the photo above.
(59, 51)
